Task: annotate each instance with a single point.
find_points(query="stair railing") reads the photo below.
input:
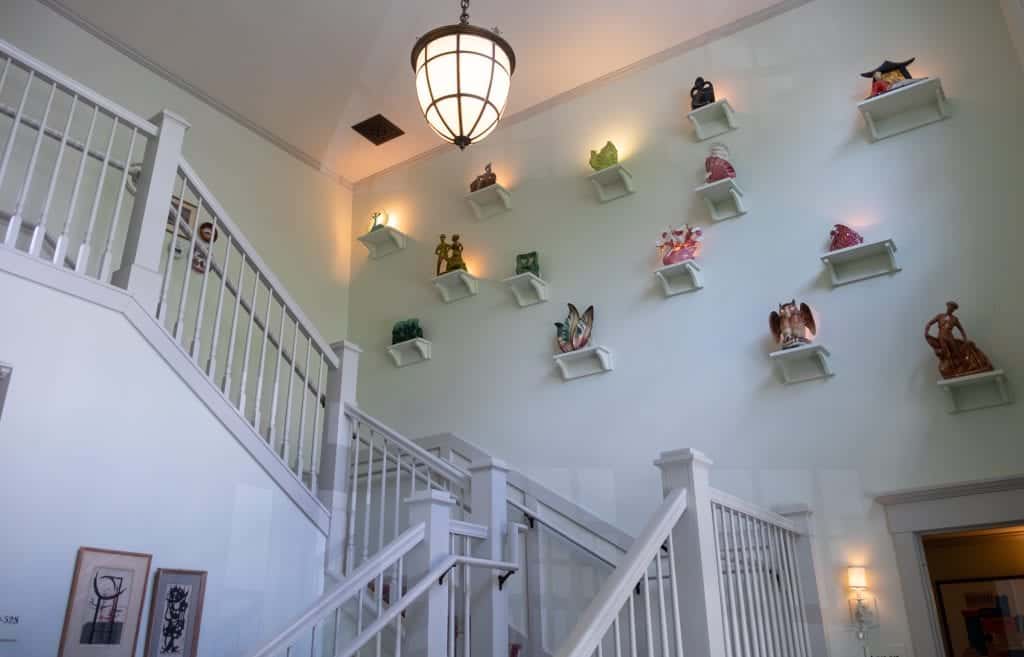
(624, 617)
(387, 468)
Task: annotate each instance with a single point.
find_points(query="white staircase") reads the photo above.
(434, 548)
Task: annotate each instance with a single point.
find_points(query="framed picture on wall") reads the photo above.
(104, 611)
(983, 616)
(176, 612)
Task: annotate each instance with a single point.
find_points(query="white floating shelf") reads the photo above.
(852, 264)
(713, 120)
(383, 241)
(528, 288)
(455, 285)
(611, 183)
(680, 278)
(906, 108)
(489, 201)
(410, 352)
(804, 363)
(724, 199)
(988, 389)
(584, 362)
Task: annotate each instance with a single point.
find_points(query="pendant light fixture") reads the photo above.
(463, 74)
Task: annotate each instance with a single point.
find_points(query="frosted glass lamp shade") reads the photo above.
(463, 74)
(857, 577)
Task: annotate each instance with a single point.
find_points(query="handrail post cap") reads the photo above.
(488, 463)
(165, 113)
(685, 455)
(341, 345)
(431, 496)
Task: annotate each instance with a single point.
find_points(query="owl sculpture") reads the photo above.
(575, 332)
(793, 325)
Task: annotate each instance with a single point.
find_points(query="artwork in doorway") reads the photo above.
(176, 613)
(405, 330)
(528, 263)
(679, 244)
(890, 76)
(485, 179)
(792, 325)
(957, 356)
(105, 604)
(983, 616)
(843, 237)
(702, 93)
(717, 164)
(574, 333)
(606, 157)
(449, 255)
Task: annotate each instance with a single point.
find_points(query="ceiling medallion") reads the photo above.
(463, 74)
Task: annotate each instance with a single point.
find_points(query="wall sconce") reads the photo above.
(863, 612)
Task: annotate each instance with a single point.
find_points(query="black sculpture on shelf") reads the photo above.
(702, 93)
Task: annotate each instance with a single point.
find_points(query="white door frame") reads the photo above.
(915, 512)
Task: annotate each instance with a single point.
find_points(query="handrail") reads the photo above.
(355, 582)
(737, 504)
(535, 517)
(617, 589)
(449, 470)
(75, 88)
(430, 579)
(253, 256)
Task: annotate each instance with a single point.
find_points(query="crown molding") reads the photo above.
(189, 88)
(947, 491)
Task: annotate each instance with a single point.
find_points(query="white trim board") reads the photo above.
(90, 290)
(912, 513)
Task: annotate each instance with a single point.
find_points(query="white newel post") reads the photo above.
(489, 501)
(427, 622)
(332, 475)
(534, 570)
(695, 564)
(801, 516)
(140, 262)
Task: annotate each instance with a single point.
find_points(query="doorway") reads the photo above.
(977, 579)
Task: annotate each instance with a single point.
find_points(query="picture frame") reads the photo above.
(104, 612)
(175, 613)
(982, 616)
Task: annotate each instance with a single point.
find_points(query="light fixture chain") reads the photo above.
(464, 18)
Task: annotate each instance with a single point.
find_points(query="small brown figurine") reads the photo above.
(442, 251)
(485, 179)
(957, 356)
(455, 260)
(791, 324)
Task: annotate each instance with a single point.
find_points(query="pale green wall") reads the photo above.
(693, 370)
(297, 218)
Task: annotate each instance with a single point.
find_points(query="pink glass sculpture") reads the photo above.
(843, 237)
(717, 164)
(679, 244)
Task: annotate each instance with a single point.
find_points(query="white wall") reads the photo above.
(297, 218)
(101, 444)
(693, 370)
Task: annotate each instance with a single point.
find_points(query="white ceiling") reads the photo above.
(305, 71)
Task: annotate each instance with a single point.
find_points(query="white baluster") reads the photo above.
(674, 584)
(243, 387)
(741, 598)
(165, 285)
(179, 326)
(350, 542)
(778, 650)
(197, 331)
(368, 496)
(315, 456)
(805, 648)
(398, 619)
(211, 363)
(106, 262)
(288, 400)
(716, 516)
(451, 603)
(263, 359)
(646, 582)
(233, 334)
(618, 637)
(757, 609)
(382, 502)
(61, 250)
(632, 628)
(789, 621)
(12, 237)
(85, 248)
(467, 633)
(661, 603)
(14, 224)
(39, 235)
(277, 375)
(302, 408)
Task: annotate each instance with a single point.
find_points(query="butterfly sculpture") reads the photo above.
(575, 332)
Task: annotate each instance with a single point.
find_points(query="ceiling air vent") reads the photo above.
(378, 129)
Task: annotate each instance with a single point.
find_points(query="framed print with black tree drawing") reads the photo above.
(104, 610)
(176, 612)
